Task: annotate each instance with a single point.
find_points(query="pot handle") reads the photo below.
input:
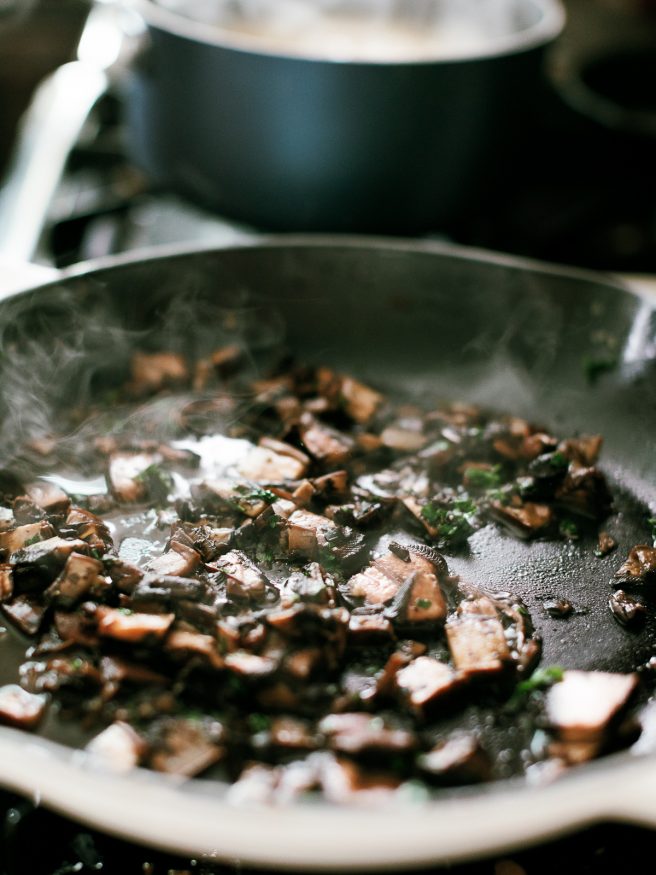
(50, 128)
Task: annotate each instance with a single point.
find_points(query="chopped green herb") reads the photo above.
(465, 505)
(33, 540)
(558, 461)
(258, 722)
(77, 663)
(451, 524)
(157, 481)
(96, 553)
(652, 523)
(568, 529)
(126, 611)
(541, 679)
(257, 494)
(483, 478)
(423, 603)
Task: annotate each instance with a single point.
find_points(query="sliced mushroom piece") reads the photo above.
(291, 733)
(358, 400)
(262, 465)
(580, 707)
(247, 498)
(528, 520)
(605, 544)
(425, 682)
(344, 782)
(7, 519)
(20, 708)
(15, 539)
(640, 565)
(26, 613)
(167, 590)
(75, 628)
(89, 527)
(584, 449)
(357, 733)
(459, 759)
(326, 444)
(79, 575)
(584, 491)
(45, 558)
(366, 629)
(117, 748)
(244, 580)
(122, 625)
(186, 747)
(123, 575)
(194, 644)
(151, 372)
(246, 664)
(404, 440)
(476, 638)
(627, 610)
(6, 582)
(381, 581)
(49, 497)
(306, 532)
(178, 561)
(126, 475)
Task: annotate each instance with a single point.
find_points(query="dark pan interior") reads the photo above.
(569, 351)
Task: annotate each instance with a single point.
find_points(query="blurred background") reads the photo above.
(582, 193)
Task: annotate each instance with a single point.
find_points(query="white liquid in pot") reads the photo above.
(384, 30)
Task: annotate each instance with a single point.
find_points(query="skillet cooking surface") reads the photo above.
(419, 319)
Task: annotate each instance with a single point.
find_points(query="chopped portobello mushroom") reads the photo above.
(118, 748)
(20, 708)
(581, 708)
(640, 565)
(426, 681)
(128, 626)
(460, 759)
(240, 564)
(626, 609)
(476, 638)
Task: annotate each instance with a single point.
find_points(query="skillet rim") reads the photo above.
(597, 776)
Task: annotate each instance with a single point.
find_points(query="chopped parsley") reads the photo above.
(595, 366)
(258, 722)
(255, 493)
(652, 523)
(568, 529)
(33, 540)
(157, 481)
(452, 524)
(558, 461)
(541, 679)
(423, 603)
(483, 478)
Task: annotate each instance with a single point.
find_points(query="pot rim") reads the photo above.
(548, 26)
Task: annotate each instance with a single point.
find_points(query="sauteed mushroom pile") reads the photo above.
(265, 594)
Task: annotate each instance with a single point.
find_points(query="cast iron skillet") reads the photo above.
(424, 318)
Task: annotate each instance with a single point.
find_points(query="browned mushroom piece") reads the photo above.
(124, 625)
(118, 748)
(123, 575)
(581, 708)
(583, 450)
(75, 627)
(151, 372)
(323, 443)
(357, 733)
(244, 580)
(331, 485)
(178, 561)
(292, 733)
(402, 439)
(20, 708)
(264, 465)
(414, 577)
(89, 527)
(6, 582)
(7, 519)
(476, 638)
(584, 491)
(224, 362)
(527, 520)
(627, 610)
(605, 544)
(126, 475)
(306, 533)
(79, 575)
(367, 629)
(48, 496)
(359, 401)
(13, 540)
(639, 566)
(459, 759)
(45, 558)
(345, 782)
(425, 682)
(186, 747)
(250, 665)
(181, 641)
